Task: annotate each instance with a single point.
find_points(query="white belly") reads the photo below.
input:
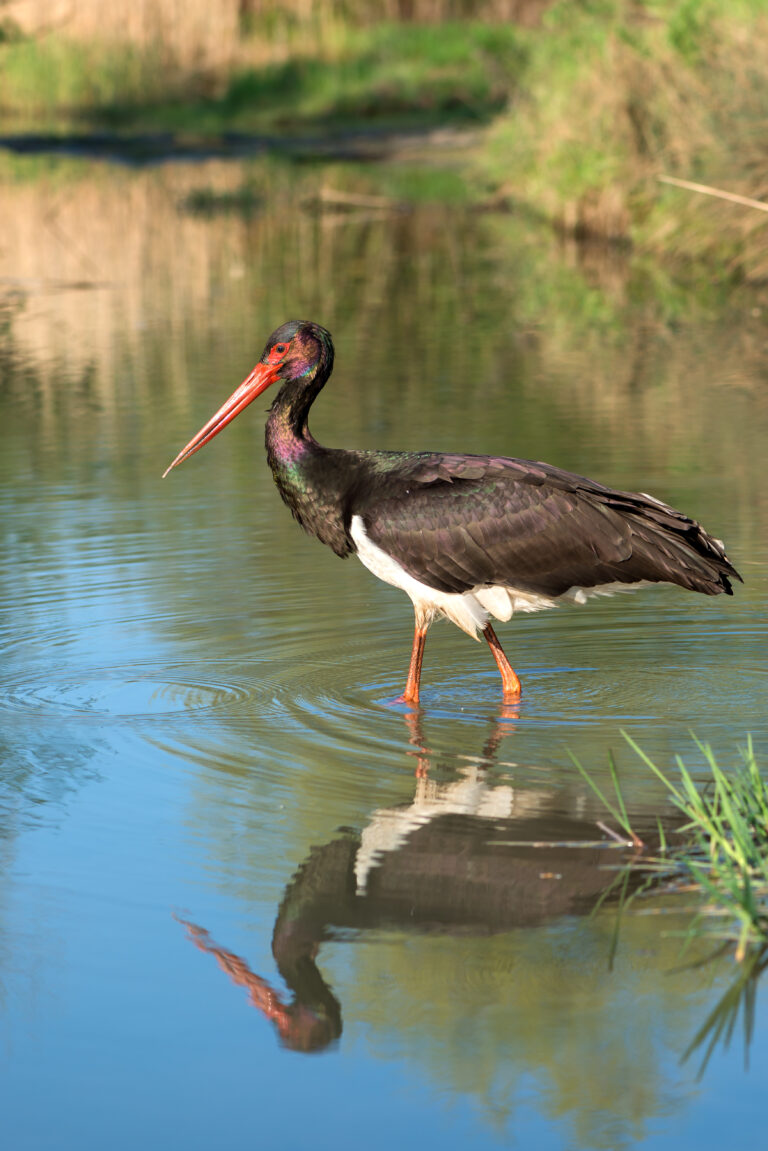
(469, 610)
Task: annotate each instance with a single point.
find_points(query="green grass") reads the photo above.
(721, 849)
(403, 73)
(584, 110)
(394, 74)
(615, 94)
(717, 856)
(53, 79)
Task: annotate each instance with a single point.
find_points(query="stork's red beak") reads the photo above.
(262, 376)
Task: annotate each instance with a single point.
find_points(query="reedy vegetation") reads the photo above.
(589, 102)
(721, 850)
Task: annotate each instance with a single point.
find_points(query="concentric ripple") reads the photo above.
(128, 695)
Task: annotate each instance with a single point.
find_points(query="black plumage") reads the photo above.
(457, 532)
(455, 522)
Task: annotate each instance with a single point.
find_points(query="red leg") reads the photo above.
(411, 693)
(512, 687)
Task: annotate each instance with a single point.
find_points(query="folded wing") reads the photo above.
(461, 522)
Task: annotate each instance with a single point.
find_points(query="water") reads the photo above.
(222, 846)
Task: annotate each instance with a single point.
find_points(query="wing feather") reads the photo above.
(457, 522)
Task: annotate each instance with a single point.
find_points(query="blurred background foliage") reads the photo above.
(578, 105)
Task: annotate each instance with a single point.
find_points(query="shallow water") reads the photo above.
(221, 843)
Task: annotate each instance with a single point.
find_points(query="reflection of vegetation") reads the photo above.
(450, 930)
(532, 1018)
(464, 950)
(739, 998)
(208, 202)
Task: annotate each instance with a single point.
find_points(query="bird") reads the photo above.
(467, 537)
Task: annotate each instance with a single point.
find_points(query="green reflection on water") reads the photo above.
(125, 320)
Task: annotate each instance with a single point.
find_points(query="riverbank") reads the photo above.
(619, 95)
(575, 116)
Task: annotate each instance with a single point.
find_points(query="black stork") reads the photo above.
(465, 536)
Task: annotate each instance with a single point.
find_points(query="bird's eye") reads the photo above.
(280, 348)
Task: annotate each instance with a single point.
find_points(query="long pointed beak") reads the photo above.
(257, 382)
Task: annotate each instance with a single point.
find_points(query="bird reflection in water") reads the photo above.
(313, 1020)
(469, 857)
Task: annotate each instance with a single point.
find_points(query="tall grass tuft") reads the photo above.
(726, 849)
(720, 851)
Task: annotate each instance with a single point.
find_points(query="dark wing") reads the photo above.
(456, 522)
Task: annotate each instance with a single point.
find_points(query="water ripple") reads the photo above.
(110, 692)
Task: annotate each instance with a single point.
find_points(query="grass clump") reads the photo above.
(51, 79)
(348, 75)
(393, 73)
(720, 851)
(588, 102)
(393, 76)
(617, 93)
(726, 851)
